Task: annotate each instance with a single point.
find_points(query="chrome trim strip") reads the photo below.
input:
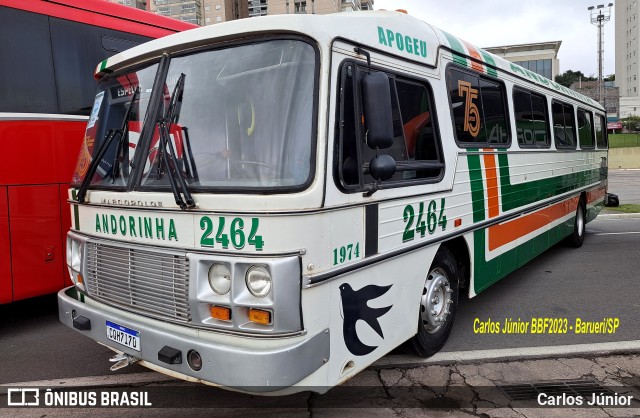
(42, 116)
(310, 281)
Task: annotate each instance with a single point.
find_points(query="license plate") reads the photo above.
(123, 335)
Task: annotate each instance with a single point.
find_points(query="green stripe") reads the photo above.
(593, 211)
(486, 272)
(518, 195)
(488, 59)
(477, 187)
(489, 272)
(459, 52)
(103, 65)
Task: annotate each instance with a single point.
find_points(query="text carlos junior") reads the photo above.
(596, 399)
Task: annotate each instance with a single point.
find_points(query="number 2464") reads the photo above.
(428, 222)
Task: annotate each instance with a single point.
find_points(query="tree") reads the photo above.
(569, 77)
(610, 77)
(632, 123)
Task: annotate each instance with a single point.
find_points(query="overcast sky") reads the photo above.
(486, 23)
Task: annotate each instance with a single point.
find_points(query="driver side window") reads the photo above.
(416, 146)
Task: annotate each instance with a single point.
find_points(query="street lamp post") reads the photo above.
(600, 16)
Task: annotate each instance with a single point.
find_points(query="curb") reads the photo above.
(610, 215)
(508, 354)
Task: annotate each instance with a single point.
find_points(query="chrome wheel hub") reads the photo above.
(436, 300)
(580, 222)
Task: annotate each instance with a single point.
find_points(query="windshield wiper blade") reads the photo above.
(123, 144)
(170, 117)
(111, 134)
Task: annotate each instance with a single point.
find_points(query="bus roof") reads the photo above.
(391, 32)
(105, 14)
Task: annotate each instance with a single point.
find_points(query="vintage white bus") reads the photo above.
(271, 205)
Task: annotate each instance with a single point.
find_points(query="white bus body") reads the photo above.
(325, 269)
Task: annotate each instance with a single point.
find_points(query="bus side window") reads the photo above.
(558, 125)
(601, 134)
(585, 129)
(349, 164)
(77, 48)
(398, 149)
(478, 109)
(569, 125)
(26, 85)
(416, 147)
(540, 120)
(564, 125)
(419, 135)
(532, 124)
(524, 117)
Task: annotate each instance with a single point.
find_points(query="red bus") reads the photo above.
(49, 50)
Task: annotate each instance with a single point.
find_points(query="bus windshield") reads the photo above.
(237, 118)
(120, 104)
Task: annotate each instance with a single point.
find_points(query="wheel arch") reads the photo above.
(460, 250)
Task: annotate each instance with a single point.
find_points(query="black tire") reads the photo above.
(431, 338)
(577, 237)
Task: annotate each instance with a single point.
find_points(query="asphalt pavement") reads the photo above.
(626, 184)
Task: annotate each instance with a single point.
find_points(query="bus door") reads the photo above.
(406, 208)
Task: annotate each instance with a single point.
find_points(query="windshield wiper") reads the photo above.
(122, 152)
(111, 135)
(170, 117)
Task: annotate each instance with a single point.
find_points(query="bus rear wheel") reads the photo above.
(577, 237)
(438, 305)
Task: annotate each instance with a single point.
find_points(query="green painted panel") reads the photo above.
(459, 51)
(518, 195)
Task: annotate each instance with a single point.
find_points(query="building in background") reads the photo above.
(199, 12)
(611, 95)
(540, 57)
(366, 4)
(627, 60)
(138, 4)
(209, 12)
(217, 11)
(315, 6)
(257, 8)
(277, 7)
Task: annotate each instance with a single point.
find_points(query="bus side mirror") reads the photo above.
(382, 167)
(376, 100)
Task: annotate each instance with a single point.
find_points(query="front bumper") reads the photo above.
(239, 363)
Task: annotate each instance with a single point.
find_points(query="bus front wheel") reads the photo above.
(577, 237)
(438, 305)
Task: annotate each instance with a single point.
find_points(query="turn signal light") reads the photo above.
(80, 279)
(259, 316)
(221, 312)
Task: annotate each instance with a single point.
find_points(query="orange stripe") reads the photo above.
(596, 194)
(492, 184)
(507, 232)
(473, 52)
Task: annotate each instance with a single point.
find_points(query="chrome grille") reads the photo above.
(153, 283)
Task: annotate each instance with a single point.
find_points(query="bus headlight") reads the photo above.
(219, 279)
(75, 249)
(258, 281)
(76, 255)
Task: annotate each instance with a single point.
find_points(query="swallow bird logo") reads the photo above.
(354, 308)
